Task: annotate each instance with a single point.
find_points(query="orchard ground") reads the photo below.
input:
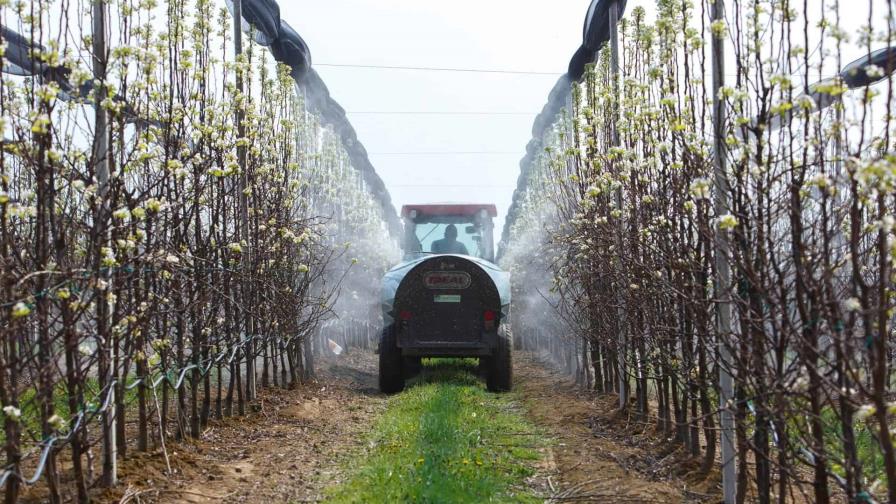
(445, 439)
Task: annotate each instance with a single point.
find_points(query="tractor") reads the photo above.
(447, 298)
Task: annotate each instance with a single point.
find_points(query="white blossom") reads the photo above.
(20, 310)
(852, 304)
(701, 188)
(865, 412)
(56, 422)
(12, 413)
(727, 222)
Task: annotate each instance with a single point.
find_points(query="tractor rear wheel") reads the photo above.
(391, 375)
(500, 365)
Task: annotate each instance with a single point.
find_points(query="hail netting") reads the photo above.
(615, 240)
(133, 295)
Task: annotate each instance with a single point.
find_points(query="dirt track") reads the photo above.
(596, 456)
(295, 445)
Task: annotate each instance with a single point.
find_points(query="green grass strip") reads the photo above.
(446, 439)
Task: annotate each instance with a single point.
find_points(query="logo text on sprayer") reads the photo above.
(447, 280)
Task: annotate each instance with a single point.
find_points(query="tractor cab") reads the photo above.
(464, 229)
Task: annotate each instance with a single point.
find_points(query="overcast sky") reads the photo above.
(530, 35)
(412, 122)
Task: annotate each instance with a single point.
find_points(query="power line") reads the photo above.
(440, 69)
(480, 70)
(462, 186)
(446, 153)
(436, 112)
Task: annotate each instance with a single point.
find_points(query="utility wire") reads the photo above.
(459, 113)
(468, 70)
(440, 69)
(446, 153)
(471, 186)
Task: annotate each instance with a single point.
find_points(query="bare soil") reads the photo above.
(287, 451)
(295, 444)
(599, 456)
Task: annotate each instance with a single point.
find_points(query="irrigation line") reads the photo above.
(204, 368)
(84, 417)
(48, 443)
(802, 448)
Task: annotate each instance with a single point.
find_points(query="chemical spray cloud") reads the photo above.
(595, 33)
(526, 248)
(261, 18)
(125, 271)
(543, 322)
(355, 305)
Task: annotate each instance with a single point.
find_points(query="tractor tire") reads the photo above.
(412, 366)
(391, 364)
(500, 365)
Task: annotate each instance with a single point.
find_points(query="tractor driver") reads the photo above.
(449, 244)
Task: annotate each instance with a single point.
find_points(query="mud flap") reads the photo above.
(412, 366)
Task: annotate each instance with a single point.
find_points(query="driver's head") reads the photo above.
(451, 232)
